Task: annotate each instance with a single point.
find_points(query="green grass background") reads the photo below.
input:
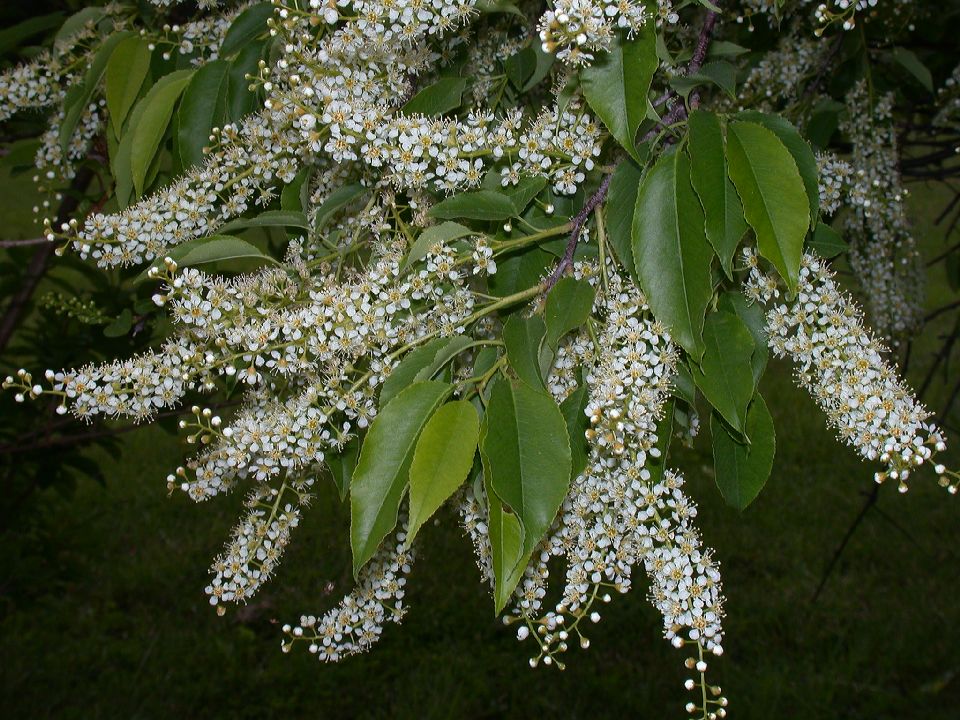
(102, 611)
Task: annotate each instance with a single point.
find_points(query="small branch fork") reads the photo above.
(566, 262)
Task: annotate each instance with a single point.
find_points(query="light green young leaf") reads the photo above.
(616, 84)
(671, 251)
(383, 470)
(213, 248)
(442, 460)
(269, 218)
(442, 233)
(742, 470)
(773, 195)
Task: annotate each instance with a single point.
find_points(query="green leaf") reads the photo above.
(384, 467)
(476, 205)
(620, 205)
(656, 465)
(270, 218)
(723, 48)
(158, 108)
(249, 25)
(523, 338)
(569, 304)
(126, 72)
(725, 377)
(826, 242)
(616, 84)
(519, 272)
(520, 66)
(753, 317)
(120, 162)
(421, 364)
(720, 73)
(442, 460)
(213, 248)
(81, 95)
(204, 107)
(723, 214)
(120, 326)
(742, 470)
(291, 196)
(911, 63)
(438, 98)
(442, 233)
(526, 453)
(506, 540)
(800, 150)
(335, 201)
(671, 251)
(240, 100)
(15, 35)
(773, 195)
(523, 192)
(77, 22)
(343, 465)
(498, 6)
(572, 408)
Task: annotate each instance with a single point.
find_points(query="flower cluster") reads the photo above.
(574, 30)
(842, 367)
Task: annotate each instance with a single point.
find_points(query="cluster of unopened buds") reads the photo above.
(841, 11)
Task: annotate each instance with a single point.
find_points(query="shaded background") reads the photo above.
(102, 611)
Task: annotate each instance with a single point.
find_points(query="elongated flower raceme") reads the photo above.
(842, 366)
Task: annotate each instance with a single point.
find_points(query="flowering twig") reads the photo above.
(579, 220)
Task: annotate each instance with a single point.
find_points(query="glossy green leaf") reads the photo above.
(523, 192)
(754, 318)
(569, 303)
(616, 84)
(438, 98)
(620, 205)
(126, 72)
(773, 195)
(523, 338)
(724, 376)
(671, 251)
(521, 271)
(719, 73)
(203, 107)
(158, 108)
(800, 150)
(723, 215)
(384, 467)
(572, 408)
(214, 248)
(416, 362)
(269, 218)
(442, 460)
(526, 454)
(240, 100)
(742, 470)
(443, 233)
(249, 25)
(827, 242)
(506, 540)
(476, 205)
(342, 465)
(444, 355)
(120, 326)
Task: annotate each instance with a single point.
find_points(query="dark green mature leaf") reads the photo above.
(442, 460)
(657, 464)
(15, 35)
(438, 98)
(754, 319)
(343, 465)
(523, 192)
(801, 152)
(77, 22)
(520, 66)
(725, 377)
(158, 108)
(569, 304)
(523, 338)
(526, 454)
(773, 195)
(240, 100)
(384, 467)
(80, 95)
(120, 162)
(742, 470)
(723, 215)
(269, 218)
(213, 248)
(249, 25)
(506, 539)
(204, 107)
(720, 73)
(827, 242)
(476, 205)
(620, 205)
(337, 200)
(671, 251)
(616, 84)
(442, 233)
(519, 272)
(421, 364)
(126, 71)
(572, 408)
(120, 326)
(909, 61)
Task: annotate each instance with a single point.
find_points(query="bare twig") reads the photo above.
(566, 262)
(828, 571)
(7, 244)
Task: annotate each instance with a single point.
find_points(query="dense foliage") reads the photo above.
(480, 254)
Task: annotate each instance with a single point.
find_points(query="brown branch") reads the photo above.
(7, 244)
(579, 220)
